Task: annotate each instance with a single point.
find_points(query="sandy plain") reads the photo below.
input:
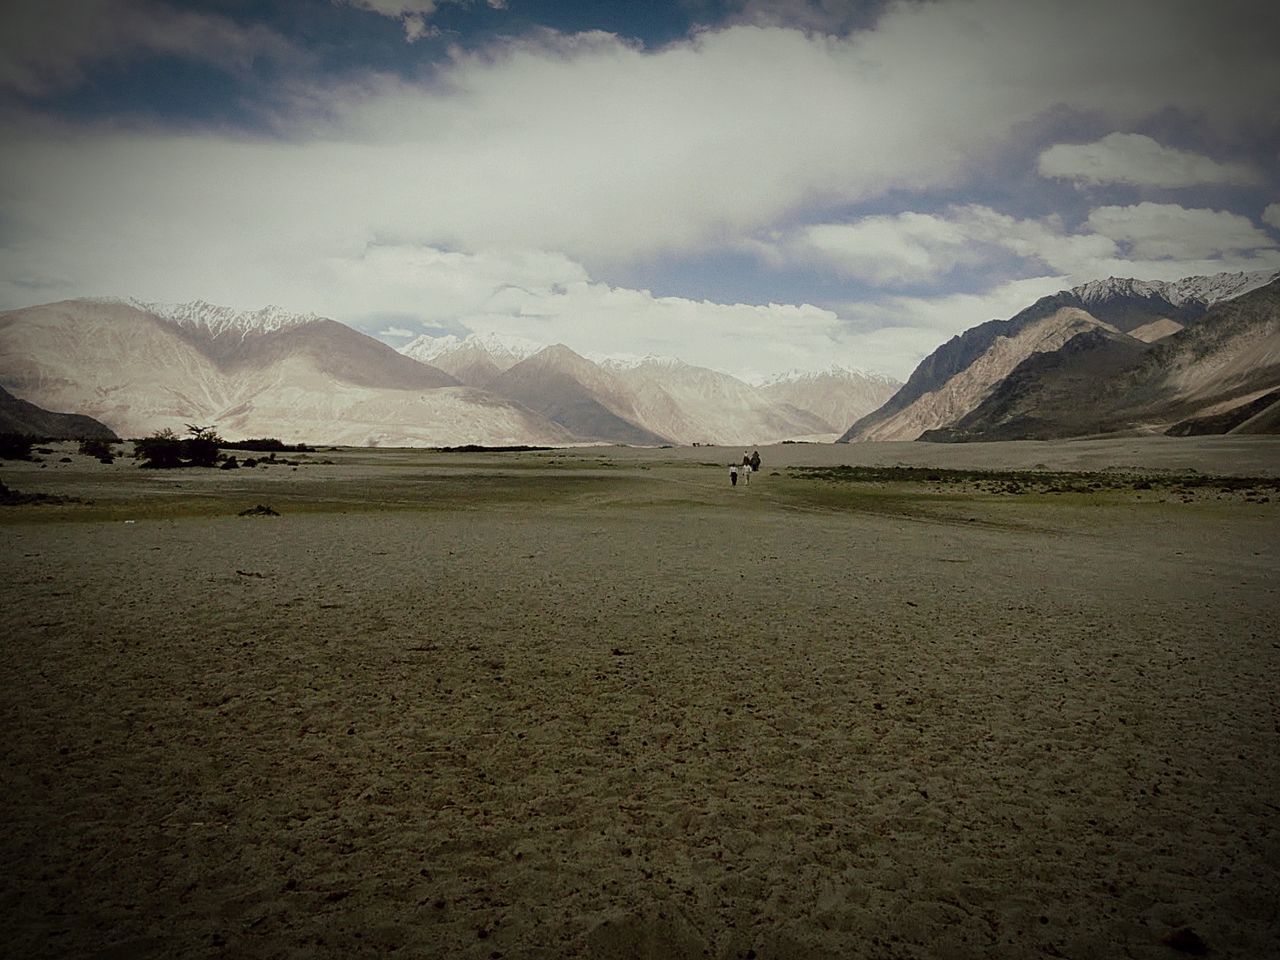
(596, 703)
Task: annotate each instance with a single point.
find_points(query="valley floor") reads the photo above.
(597, 703)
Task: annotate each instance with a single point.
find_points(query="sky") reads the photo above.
(750, 186)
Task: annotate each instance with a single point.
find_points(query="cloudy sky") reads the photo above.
(754, 186)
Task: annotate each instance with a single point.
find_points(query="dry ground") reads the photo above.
(596, 703)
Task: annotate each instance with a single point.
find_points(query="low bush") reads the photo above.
(160, 451)
(165, 450)
(266, 445)
(96, 448)
(16, 446)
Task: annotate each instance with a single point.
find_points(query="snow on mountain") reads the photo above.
(315, 381)
(1200, 290)
(1078, 362)
(504, 351)
(834, 372)
(837, 395)
(696, 404)
(426, 348)
(217, 320)
(1221, 286)
(1210, 377)
(621, 362)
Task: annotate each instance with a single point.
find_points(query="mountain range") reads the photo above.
(139, 367)
(1112, 356)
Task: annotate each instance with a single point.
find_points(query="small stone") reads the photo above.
(1186, 940)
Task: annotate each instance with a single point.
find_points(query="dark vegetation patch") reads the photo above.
(266, 445)
(478, 448)
(14, 498)
(1040, 481)
(202, 447)
(101, 449)
(165, 450)
(16, 446)
(261, 510)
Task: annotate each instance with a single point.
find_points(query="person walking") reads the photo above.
(733, 474)
(755, 461)
(746, 468)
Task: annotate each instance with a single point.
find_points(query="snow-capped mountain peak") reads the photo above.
(218, 320)
(649, 361)
(1204, 290)
(427, 348)
(503, 350)
(835, 371)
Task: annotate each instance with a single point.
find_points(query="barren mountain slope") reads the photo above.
(1230, 356)
(1155, 330)
(20, 417)
(1054, 393)
(129, 369)
(1215, 375)
(984, 356)
(693, 404)
(257, 374)
(575, 393)
(837, 396)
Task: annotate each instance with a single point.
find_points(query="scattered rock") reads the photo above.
(1186, 940)
(261, 510)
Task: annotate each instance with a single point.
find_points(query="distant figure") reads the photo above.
(746, 467)
(733, 474)
(755, 461)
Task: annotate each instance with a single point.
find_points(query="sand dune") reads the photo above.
(596, 703)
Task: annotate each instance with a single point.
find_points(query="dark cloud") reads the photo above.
(48, 48)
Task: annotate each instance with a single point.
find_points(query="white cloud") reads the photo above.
(902, 331)
(396, 333)
(1169, 231)
(1151, 241)
(597, 153)
(916, 248)
(415, 28)
(46, 47)
(826, 16)
(414, 14)
(908, 247)
(1271, 215)
(1131, 158)
(547, 298)
(593, 146)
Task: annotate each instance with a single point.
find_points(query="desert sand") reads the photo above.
(596, 703)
